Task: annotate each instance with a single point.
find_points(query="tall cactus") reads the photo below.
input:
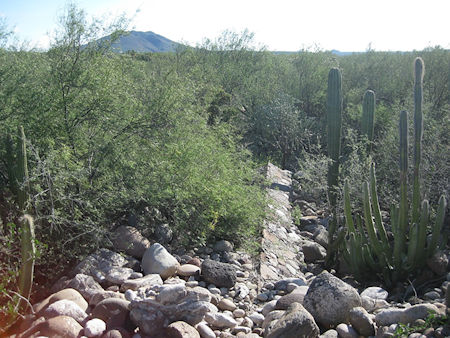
(334, 122)
(419, 70)
(410, 247)
(368, 116)
(28, 254)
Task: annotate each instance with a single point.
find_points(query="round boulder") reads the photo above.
(329, 300)
(157, 260)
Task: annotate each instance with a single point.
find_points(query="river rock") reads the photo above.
(157, 260)
(296, 322)
(181, 329)
(113, 311)
(65, 307)
(329, 300)
(296, 296)
(409, 315)
(129, 240)
(94, 327)
(362, 321)
(85, 285)
(68, 294)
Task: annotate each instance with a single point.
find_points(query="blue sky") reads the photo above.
(346, 25)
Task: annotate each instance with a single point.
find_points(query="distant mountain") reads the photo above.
(144, 42)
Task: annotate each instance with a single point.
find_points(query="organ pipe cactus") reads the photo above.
(369, 250)
(419, 69)
(334, 122)
(368, 116)
(28, 254)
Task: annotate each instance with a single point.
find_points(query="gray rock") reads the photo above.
(171, 293)
(409, 315)
(329, 334)
(157, 260)
(313, 251)
(129, 240)
(295, 296)
(375, 292)
(226, 304)
(61, 326)
(65, 307)
(223, 246)
(256, 318)
(94, 327)
(220, 320)
(163, 233)
(181, 329)
(282, 284)
(146, 281)
(113, 311)
(205, 331)
(296, 322)
(330, 300)
(438, 263)
(268, 307)
(346, 331)
(118, 275)
(321, 236)
(102, 295)
(85, 285)
(362, 321)
(219, 274)
(151, 315)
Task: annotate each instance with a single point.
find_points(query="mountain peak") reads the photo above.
(144, 42)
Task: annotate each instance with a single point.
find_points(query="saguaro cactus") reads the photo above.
(334, 122)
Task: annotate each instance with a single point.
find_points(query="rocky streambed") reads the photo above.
(145, 289)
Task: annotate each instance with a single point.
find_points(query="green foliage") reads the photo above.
(433, 320)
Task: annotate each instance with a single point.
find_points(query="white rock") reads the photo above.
(375, 292)
(171, 293)
(220, 320)
(94, 327)
(65, 307)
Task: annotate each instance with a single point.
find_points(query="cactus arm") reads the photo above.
(377, 214)
(418, 132)
(28, 253)
(348, 210)
(367, 121)
(422, 233)
(413, 247)
(400, 236)
(436, 230)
